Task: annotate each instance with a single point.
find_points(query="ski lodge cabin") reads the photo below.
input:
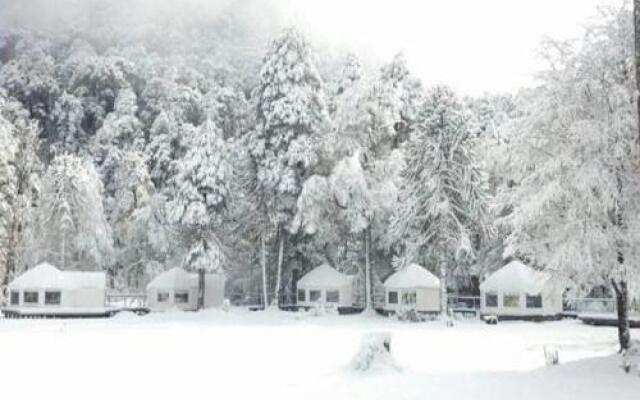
(517, 291)
(46, 291)
(412, 287)
(324, 284)
(177, 288)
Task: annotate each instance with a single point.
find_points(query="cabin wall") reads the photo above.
(69, 298)
(551, 304)
(213, 291)
(84, 297)
(427, 299)
(213, 296)
(346, 295)
(155, 305)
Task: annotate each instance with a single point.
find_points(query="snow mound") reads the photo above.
(374, 354)
(325, 276)
(515, 277)
(412, 276)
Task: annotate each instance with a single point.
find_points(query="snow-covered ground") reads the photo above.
(268, 355)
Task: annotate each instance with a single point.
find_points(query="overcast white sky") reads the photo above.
(472, 45)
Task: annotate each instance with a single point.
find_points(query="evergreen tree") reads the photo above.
(291, 117)
(72, 230)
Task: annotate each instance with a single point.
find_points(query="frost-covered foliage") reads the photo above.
(575, 196)
(444, 193)
(19, 168)
(201, 197)
(575, 201)
(72, 230)
(291, 117)
(202, 182)
(8, 190)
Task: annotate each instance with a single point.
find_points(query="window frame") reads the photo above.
(52, 291)
(302, 298)
(180, 294)
(409, 297)
(333, 299)
(506, 296)
(395, 294)
(537, 305)
(15, 293)
(30, 292)
(312, 293)
(493, 295)
(163, 297)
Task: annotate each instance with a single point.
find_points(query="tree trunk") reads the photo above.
(368, 276)
(263, 262)
(281, 238)
(444, 308)
(622, 307)
(636, 31)
(201, 289)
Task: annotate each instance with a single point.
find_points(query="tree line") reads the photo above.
(137, 155)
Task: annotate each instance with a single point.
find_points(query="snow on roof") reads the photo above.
(176, 278)
(173, 278)
(325, 276)
(515, 277)
(47, 276)
(412, 276)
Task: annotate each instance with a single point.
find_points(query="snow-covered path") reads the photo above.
(242, 355)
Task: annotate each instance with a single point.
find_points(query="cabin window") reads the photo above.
(181, 297)
(302, 295)
(409, 298)
(491, 300)
(393, 297)
(163, 297)
(52, 298)
(30, 297)
(314, 295)
(511, 300)
(333, 296)
(534, 301)
(15, 298)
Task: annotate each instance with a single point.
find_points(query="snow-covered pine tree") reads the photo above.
(20, 167)
(129, 217)
(68, 116)
(120, 132)
(575, 198)
(30, 77)
(444, 192)
(291, 117)
(72, 229)
(8, 195)
(201, 197)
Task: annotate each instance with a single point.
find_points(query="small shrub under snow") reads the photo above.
(551, 356)
(409, 313)
(374, 354)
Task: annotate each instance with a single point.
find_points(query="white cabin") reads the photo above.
(324, 284)
(177, 288)
(518, 291)
(47, 287)
(412, 286)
